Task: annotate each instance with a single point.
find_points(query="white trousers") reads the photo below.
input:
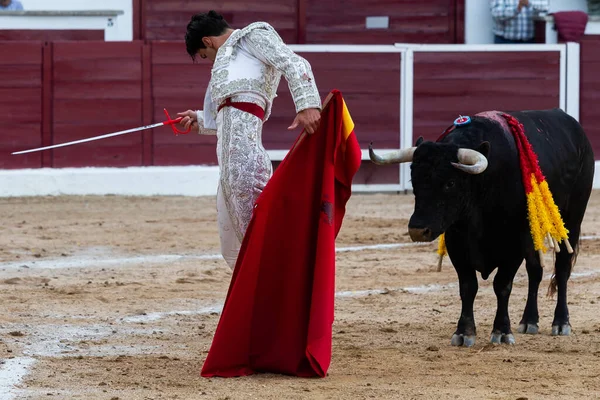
(230, 244)
(244, 170)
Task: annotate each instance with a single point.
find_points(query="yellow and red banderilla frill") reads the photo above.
(544, 217)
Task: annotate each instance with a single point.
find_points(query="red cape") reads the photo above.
(278, 314)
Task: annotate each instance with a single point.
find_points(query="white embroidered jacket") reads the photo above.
(252, 61)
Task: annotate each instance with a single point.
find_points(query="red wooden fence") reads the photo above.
(178, 85)
(313, 21)
(590, 90)
(370, 83)
(97, 89)
(66, 91)
(410, 21)
(69, 90)
(450, 84)
(298, 21)
(50, 35)
(21, 94)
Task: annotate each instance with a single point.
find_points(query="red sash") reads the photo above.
(251, 108)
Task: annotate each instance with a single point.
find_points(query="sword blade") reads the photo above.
(54, 146)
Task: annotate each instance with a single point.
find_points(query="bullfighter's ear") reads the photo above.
(484, 148)
(419, 141)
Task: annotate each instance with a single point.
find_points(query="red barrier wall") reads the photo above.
(314, 21)
(20, 103)
(590, 90)
(450, 84)
(65, 91)
(97, 89)
(432, 21)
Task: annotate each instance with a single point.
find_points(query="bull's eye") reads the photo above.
(449, 185)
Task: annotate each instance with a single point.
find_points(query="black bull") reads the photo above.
(477, 198)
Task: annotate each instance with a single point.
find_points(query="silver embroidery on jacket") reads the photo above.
(265, 44)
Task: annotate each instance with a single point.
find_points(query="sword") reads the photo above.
(169, 121)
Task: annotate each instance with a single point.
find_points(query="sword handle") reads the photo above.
(172, 122)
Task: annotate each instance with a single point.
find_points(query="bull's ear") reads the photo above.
(484, 148)
(419, 141)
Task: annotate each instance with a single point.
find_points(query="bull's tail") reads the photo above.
(553, 286)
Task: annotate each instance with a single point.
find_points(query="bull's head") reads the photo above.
(442, 178)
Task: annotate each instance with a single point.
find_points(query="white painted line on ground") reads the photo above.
(155, 316)
(583, 274)
(429, 288)
(386, 246)
(58, 340)
(87, 261)
(12, 372)
(360, 293)
(83, 261)
(63, 340)
(409, 289)
(218, 308)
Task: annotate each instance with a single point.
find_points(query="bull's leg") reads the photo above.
(465, 331)
(531, 316)
(562, 272)
(503, 287)
(572, 217)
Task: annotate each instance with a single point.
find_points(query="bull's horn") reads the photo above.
(471, 161)
(394, 157)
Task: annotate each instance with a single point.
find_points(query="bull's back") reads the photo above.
(564, 152)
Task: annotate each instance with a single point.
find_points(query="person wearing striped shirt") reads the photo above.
(11, 5)
(514, 19)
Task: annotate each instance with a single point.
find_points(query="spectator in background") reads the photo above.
(514, 19)
(13, 5)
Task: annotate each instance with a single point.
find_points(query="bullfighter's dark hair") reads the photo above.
(202, 25)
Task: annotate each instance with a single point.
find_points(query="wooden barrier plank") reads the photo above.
(97, 90)
(449, 84)
(20, 103)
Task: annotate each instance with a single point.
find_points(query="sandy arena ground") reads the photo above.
(118, 298)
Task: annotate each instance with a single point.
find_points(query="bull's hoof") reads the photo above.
(462, 340)
(561, 330)
(499, 337)
(529, 329)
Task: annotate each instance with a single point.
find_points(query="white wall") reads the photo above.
(478, 20)
(125, 21)
(132, 181)
(568, 5)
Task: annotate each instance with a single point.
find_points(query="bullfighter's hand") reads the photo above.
(309, 119)
(523, 3)
(190, 119)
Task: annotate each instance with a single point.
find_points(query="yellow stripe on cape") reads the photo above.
(347, 123)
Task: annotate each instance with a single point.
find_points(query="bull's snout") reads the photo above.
(420, 234)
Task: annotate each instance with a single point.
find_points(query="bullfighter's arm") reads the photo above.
(206, 118)
(204, 127)
(267, 46)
